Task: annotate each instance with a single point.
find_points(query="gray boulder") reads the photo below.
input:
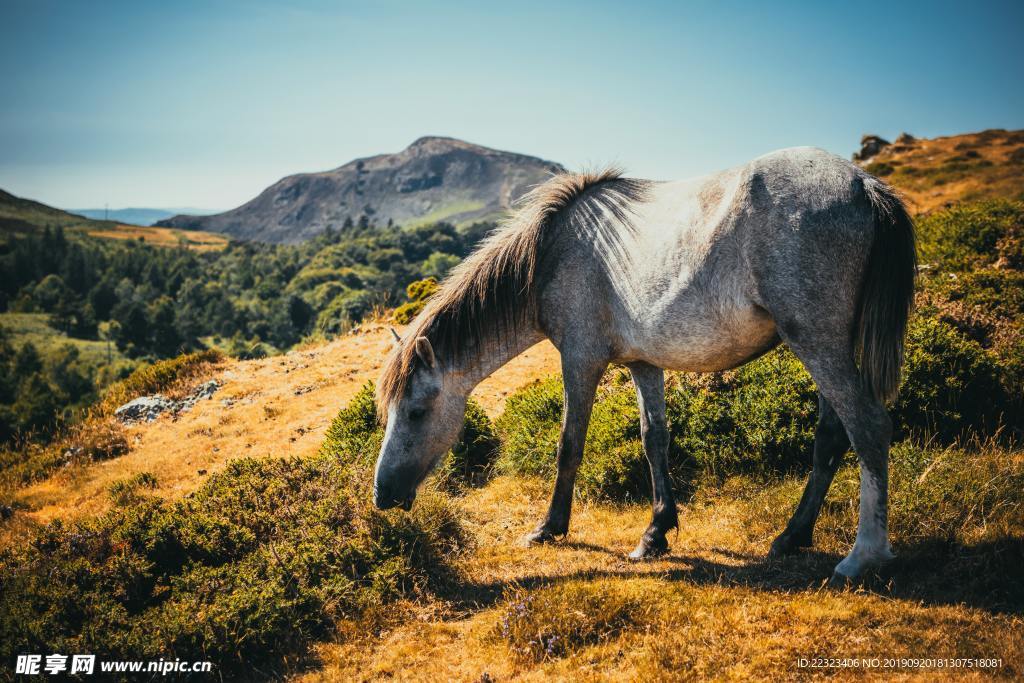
(145, 409)
(148, 408)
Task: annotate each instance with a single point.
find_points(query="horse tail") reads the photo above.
(887, 291)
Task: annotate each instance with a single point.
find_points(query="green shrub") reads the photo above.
(470, 460)
(760, 418)
(355, 431)
(356, 434)
(529, 428)
(988, 307)
(265, 558)
(974, 235)
(559, 620)
(951, 386)
(157, 377)
(344, 311)
(880, 168)
(418, 293)
(128, 491)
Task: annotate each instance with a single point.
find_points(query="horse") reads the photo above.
(798, 247)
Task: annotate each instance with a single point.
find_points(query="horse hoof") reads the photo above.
(840, 581)
(787, 545)
(649, 548)
(539, 537)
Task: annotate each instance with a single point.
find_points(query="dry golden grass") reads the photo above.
(196, 240)
(933, 173)
(278, 406)
(713, 609)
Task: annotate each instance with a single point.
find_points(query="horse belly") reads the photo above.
(684, 339)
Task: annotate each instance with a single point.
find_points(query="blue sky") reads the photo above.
(205, 103)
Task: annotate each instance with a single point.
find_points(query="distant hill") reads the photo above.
(20, 215)
(137, 216)
(932, 173)
(433, 179)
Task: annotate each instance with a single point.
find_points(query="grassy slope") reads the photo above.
(933, 173)
(279, 406)
(20, 215)
(33, 328)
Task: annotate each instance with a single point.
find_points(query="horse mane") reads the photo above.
(494, 290)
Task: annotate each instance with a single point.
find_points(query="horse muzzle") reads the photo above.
(386, 500)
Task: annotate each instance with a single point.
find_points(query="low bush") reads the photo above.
(559, 620)
(98, 438)
(356, 434)
(264, 559)
(951, 386)
(760, 418)
(974, 235)
(988, 307)
(131, 490)
(418, 293)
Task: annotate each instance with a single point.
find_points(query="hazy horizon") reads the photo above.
(205, 104)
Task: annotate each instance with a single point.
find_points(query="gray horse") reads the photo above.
(797, 246)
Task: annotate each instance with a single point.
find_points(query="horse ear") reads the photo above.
(425, 351)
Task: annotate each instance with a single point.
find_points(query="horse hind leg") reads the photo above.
(830, 443)
(869, 428)
(650, 393)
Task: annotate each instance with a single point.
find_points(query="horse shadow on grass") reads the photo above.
(988, 575)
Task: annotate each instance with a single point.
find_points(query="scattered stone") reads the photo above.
(149, 408)
(203, 391)
(6, 512)
(200, 472)
(145, 409)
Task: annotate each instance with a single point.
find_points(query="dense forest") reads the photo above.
(150, 302)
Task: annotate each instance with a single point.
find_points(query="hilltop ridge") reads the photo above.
(433, 179)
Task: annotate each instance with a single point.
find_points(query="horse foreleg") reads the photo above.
(650, 394)
(830, 443)
(580, 381)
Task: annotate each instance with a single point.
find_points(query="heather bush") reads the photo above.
(559, 620)
(356, 433)
(974, 235)
(267, 557)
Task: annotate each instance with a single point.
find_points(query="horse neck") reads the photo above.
(478, 363)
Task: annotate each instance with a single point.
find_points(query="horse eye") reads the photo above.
(417, 414)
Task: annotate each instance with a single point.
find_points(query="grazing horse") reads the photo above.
(798, 246)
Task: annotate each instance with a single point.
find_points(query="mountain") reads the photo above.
(433, 179)
(136, 216)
